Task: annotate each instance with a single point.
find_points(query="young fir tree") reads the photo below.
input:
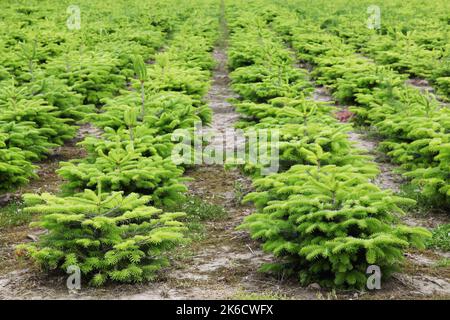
(164, 112)
(329, 224)
(145, 142)
(109, 236)
(124, 169)
(94, 75)
(28, 138)
(140, 70)
(40, 116)
(15, 168)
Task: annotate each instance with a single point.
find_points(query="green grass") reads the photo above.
(441, 238)
(198, 210)
(13, 215)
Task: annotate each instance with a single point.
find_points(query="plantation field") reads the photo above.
(225, 149)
